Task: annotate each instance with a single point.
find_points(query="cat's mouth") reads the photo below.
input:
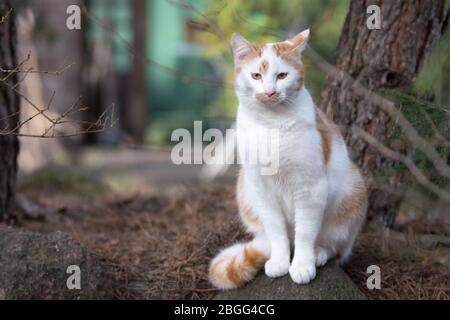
(273, 99)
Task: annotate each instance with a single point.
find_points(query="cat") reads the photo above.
(316, 202)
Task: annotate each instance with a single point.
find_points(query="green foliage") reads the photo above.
(159, 133)
(268, 21)
(433, 80)
(427, 118)
(58, 179)
(431, 84)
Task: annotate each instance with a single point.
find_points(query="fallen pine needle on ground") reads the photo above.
(165, 243)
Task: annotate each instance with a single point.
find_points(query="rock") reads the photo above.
(34, 266)
(331, 283)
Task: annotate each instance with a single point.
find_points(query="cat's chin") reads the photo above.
(269, 103)
(273, 103)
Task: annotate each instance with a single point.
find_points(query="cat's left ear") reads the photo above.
(300, 41)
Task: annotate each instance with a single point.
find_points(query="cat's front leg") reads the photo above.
(309, 211)
(279, 262)
(276, 232)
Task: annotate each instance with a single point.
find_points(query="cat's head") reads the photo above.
(271, 74)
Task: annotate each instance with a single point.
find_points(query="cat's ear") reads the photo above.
(300, 41)
(241, 48)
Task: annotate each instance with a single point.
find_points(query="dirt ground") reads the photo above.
(165, 241)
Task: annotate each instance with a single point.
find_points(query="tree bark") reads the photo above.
(137, 110)
(388, 58)
(9, 108)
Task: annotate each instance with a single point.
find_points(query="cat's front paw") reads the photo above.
(303, 273)
(277, 267)
(321, 257)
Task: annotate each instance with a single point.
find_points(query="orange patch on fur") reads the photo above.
(354, 205)
(297, 66)
(286, 48)
(283, 48)
(260, 96)
(255, 52)
(215, 272)
(234, 274)
(326, 135)
(297, 40)
(286, 51)
(264, 66)
(240, 273)
(253, 258)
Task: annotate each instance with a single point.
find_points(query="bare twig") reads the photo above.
(104, 121)
(407, 161)
(438, 138)
(3, 18)
(54, 72)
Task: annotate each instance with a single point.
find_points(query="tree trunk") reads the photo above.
(9, 108)
(388, 58)
(137, 110)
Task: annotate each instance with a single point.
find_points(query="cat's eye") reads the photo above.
(256, 76)
(282, 75)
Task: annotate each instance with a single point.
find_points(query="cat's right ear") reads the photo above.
(241, 48)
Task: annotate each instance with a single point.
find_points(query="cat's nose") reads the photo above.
(269, 93)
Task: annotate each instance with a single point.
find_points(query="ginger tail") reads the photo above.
(237, 265)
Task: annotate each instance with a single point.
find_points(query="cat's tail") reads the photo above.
(238, 264)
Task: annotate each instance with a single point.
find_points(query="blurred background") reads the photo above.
(181, 47)
(162, 64)
(144, 68)
(137, 70)
(159, 65)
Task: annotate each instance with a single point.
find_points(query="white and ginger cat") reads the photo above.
(315, 204)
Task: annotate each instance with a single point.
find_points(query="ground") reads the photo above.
(164, 237)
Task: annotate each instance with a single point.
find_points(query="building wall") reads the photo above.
(172, 100)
